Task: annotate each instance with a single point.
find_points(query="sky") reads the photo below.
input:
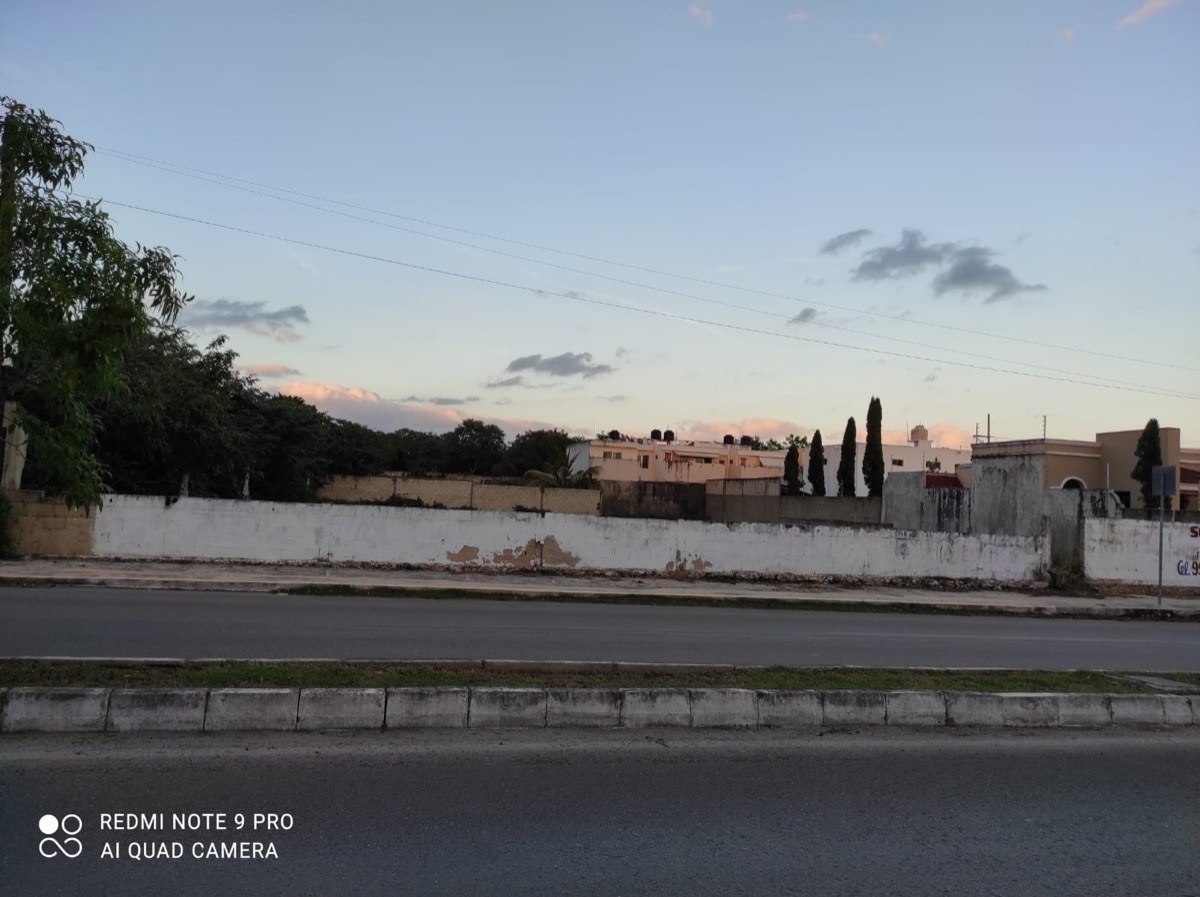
(713, 217)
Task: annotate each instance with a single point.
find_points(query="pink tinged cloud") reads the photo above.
(369, 408)
(704, 15)
(267, 371)
(762, 427)
(1147, 10)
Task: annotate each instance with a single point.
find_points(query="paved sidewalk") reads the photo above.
(230, 577)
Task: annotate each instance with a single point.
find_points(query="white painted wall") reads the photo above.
(1127, 551)
(144, 527)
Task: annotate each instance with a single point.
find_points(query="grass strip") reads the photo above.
(116, 674)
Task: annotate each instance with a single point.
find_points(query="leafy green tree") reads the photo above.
(560, 474)
(475, 447)
(845, 472)
(293, 439)
(182, 411)
(816, 465)
(1149, 455)
(872, 465)
(791, 471)
(533, 449)
(72, 299)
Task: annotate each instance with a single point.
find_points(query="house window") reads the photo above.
(1124, 498)
(645, 462)
(897, 462)
(612, 456)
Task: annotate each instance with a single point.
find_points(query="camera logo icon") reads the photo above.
(70, 846)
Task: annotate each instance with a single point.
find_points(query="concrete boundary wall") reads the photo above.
(318, 709)
(1126, 551)
(207, 529)
(461, 494)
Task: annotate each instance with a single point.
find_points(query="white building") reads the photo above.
(917, 454)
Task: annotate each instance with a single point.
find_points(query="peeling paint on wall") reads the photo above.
(464, 555)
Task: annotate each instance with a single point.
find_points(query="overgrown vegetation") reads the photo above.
(7, 539)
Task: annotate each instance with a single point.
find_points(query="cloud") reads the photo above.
(702, 14)
(762, 427)
(1147, 10)
(973, 271)
(1067, 34)
(798, 16)
(806, 316)
(267, 371)
(369, 408)
(878, 38)
(931, 377)
(615, 398)
(834, 245)
(910, 256)
(622, 352)
(566, 365)
(814, 281)
(441, 400)
(220, 314)
(505, 383)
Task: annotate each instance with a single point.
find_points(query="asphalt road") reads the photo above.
(93, 622)
(90, 622)
(617, 813)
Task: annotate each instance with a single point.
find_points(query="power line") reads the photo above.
(579, 297)
(174, 168)
(632, 283)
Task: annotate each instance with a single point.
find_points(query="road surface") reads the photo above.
(95, 622)
(659, 812)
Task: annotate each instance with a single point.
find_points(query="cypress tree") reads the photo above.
(816, 465)
(845, 472)
(872, 465)
(791, 471)
(1149, 455)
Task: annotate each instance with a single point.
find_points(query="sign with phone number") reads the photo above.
(1188, 568)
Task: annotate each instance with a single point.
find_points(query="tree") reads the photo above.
(845, 471)
(560, 474)
(872, 465)
(791, 471)
(533, 449)
(72, 298)
(475, 447)
(816, 465)
(182, 412)
(1149, 455)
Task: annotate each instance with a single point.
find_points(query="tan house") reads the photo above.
(1106, 462)
(668, 461)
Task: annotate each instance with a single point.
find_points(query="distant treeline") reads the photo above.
(188, 412)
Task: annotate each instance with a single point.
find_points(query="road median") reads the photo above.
(56, 695)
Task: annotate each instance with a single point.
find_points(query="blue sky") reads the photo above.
(1026, 170)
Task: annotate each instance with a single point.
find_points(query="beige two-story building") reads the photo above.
(1105, 462)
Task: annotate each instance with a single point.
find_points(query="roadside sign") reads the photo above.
(1162, 480)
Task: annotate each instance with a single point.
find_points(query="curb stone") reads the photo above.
(252, 709)
(55, 710)
(507, 708)
(157, 710)
(340, 708)
(427, 707)
(291, 709)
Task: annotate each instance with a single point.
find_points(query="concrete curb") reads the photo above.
(317, 709)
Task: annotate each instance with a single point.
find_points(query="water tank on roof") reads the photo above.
(728, 439)
(614, 434)
(746, 440)
(919, 434)
(656, 434)
(669, 436)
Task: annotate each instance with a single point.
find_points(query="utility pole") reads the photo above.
(1043, 428)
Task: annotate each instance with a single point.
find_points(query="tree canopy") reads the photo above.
(1149, 455)
(816, 465)
(73, 299)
